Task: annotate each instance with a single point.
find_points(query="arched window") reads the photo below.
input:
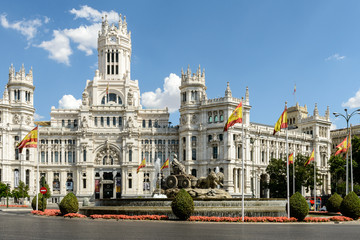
(111, 98)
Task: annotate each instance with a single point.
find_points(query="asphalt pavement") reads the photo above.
(23, 225)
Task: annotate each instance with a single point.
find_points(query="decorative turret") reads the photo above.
(114, 50)
(20, 86)
(192, 87)
(228, 90)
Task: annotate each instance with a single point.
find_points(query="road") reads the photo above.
(21, 225)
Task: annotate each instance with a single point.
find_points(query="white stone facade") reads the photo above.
(95, 150)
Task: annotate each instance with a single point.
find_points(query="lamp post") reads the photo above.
(347, 117)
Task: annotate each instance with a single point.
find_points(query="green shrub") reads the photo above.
(350, 206)
(69, 204)
(299, 208)
(41, 203)
(182, 205)
(333, 203)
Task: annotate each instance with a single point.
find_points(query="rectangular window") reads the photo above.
(56, 156)
(215, 152)
(251, 155)
(63, 123)
(108, 57)
(70, 157)
(150, 123)
(193, 155)
(117, 56)
(114, 121)
(112, 57)
(108, 121)
(84, 183)
(116, 69)
(108, 69)
(27, 177)
(130, 155)
(43, 157)
(130, 182)
(95, 121)
(102, 121)
(112, 69)
(120, 121)
(184, 155)
(16, 154)
(143, 123)
(263, 156)
(74, 157)
(84, 155)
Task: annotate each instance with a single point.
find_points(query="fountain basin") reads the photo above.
(203, 207)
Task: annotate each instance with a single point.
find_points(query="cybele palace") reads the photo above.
(94, 151)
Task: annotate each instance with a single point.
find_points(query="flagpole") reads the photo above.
(351, 164)
(314, 178)
(242, 173)
(294, 172)
(287, 173)
(37, 174)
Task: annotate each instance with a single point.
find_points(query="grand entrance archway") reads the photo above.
(107, 173)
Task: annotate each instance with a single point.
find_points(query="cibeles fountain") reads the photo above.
(210, 199)
(203, 188)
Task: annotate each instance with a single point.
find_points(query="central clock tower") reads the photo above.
(114, 50)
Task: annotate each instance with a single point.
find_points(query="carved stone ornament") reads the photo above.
(194, 119)
(130, 98)
(184, 119)
(84, 122)
(16, 119)
(108, 155)
(28, 120)
(85, 98)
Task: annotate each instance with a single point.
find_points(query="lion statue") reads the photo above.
(211, 181)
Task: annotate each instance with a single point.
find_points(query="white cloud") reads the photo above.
(336, 57)
(59, 47)
(38, 117)
(85, 37)
(27, 28)
(168, 97)
(94, 15)
(69, 102)
(353, 102)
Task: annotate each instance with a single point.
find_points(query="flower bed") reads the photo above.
(75, 215)
(138, 217)
(16, 206)
(47, 212)
(341, 219)
(239, 219)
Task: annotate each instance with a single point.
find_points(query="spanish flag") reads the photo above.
(282, 122)
(343, 146)
(235, 117)
(29, 141)
(107, 89)
(165, 165)
(291, 159)
(142, 164)
(311, 158)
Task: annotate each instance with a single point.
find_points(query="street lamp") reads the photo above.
(347, 117)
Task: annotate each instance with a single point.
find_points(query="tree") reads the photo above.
(21, 191)
(338, 169)
(304, 176)
(3, 188)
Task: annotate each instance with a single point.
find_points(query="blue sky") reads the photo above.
(268, 46)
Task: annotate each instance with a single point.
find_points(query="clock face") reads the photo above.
(112, 39)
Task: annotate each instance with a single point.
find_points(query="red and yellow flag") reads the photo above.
(165, 165)
(235, 117)
(282, 122)
(343, 146)
(142, 164)
(107, 89)
(311, 158)
(291, 159)
(29, 141)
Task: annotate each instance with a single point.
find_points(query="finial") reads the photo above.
(182, 71)
(203, 73)
(228, 90)
(247, 100)
(285, 104)
(316, 111)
